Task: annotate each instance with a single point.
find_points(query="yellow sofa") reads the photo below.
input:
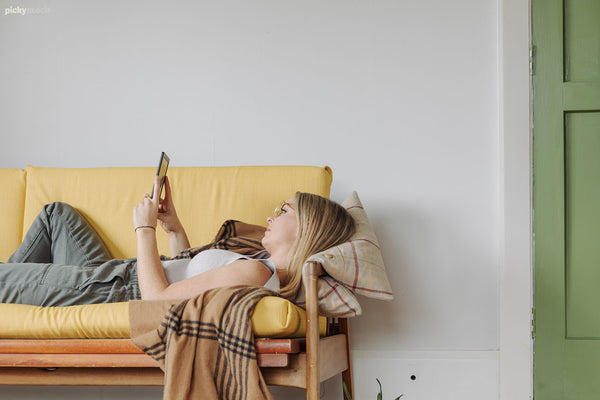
(204, 198)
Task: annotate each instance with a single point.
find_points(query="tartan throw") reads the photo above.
(205, 345)
(233, 235)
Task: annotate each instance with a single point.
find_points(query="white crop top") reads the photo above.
(178, 270)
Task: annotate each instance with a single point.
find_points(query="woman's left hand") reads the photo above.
(146, 212)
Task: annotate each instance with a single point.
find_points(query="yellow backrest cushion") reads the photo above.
(12, 203)
(272, 317)
(204, 197)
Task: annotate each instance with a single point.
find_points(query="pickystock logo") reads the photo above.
(22, 11)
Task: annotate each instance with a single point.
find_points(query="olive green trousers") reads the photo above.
(62, 262)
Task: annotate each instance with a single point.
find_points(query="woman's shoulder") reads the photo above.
(217, 256)
(250, 263)
(255, 270)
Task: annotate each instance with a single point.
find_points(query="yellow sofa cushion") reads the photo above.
(12, 203)
(272, 317)
(275, 317)
(204, 197)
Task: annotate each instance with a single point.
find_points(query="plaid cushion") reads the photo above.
(335, 300)
(354, 267)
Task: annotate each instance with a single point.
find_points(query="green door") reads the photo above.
(566, 198)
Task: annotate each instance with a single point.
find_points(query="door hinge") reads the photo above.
(533, 323)
(532, 60)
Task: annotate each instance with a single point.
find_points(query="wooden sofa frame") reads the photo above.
(303, 363)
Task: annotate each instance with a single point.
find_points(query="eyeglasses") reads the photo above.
(279, 210)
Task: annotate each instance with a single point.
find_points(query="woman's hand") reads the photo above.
(151, 275)
(167, 216)
(145, 214)
(169, 221)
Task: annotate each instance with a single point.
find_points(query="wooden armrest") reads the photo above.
(312, 270)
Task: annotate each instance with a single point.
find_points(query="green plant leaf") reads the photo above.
(348, 397)
(380, 394)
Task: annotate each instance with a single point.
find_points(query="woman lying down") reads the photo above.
(63, 262)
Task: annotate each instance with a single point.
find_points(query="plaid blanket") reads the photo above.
(240, 237)
(204, 345)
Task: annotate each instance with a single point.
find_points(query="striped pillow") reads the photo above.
(354, 267)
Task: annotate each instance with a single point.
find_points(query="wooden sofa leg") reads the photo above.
(347, 374)
(312, 271)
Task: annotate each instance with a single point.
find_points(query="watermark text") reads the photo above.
(12, 10)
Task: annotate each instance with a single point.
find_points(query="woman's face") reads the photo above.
(283, 228)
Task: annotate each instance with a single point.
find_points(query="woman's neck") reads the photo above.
(282, 274)
(280, 260)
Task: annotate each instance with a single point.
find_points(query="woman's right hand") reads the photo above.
(169, 221)
(145, 212)
(167, 216)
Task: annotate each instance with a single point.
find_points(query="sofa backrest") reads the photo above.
(12, 202)
(204, 198)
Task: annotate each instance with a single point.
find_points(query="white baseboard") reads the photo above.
(447, 375)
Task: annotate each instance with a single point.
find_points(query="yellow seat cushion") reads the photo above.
(272, 317)
(12, 203)
(74, 322)
(204, 197)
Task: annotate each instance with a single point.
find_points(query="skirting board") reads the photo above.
(449, 375)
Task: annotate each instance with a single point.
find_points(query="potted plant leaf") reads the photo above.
(379, 395)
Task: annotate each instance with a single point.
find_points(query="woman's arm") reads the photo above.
(240, 272)
(169, 221)
(151, 275)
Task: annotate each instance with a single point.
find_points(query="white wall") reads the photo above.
(401, 99)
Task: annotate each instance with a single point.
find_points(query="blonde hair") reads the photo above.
(322, 224)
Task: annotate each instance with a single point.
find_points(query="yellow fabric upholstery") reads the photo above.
(204, 197)
(276, 317)
(12, 202)
(273, 317)
(74, 322)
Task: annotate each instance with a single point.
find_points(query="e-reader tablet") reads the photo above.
(161, 172)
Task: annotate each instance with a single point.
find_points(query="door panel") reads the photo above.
(582, 224)
(566, 198)
(582, 40)
(581, 372)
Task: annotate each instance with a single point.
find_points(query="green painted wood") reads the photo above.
(581, 96)
(582, 40)
(549, 358)
(582, 224)
(581, 370)
(566, 184)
